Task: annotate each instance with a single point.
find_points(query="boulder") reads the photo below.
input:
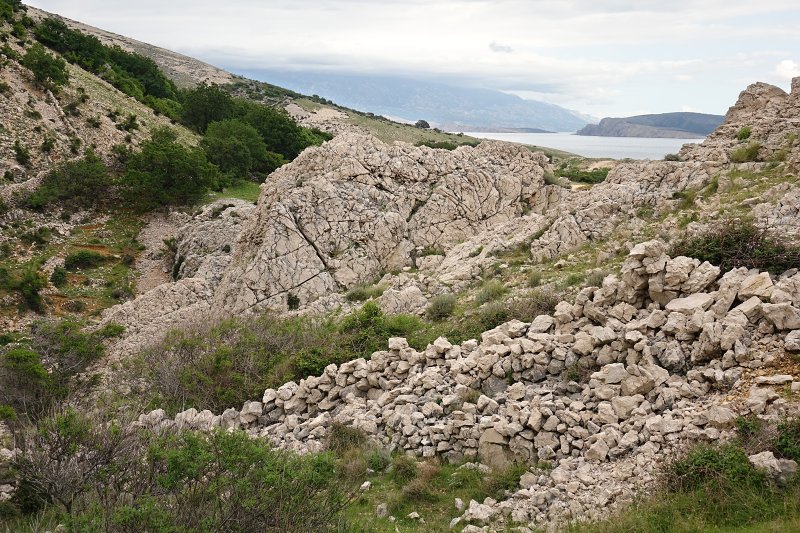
(690, 304)
(758, 285)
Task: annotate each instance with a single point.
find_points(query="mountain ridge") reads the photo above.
(677, 125)
(446, 106)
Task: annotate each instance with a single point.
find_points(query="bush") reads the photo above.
(235, 147)
(217, 365)
(744, 133)
(34, 379)
(597, 175)
(26, 281)
(672, 157)
(788, 441)
(441, 307)
(105, 476)
(490, 291)
(81, 183)
(83, 259)
(342, 438)
(746, 154)
(362, 293)
(167, 173)
(59, 277)
(534, 278)
(737, 243)
(21, 153)
(50, 72)
(404, 468)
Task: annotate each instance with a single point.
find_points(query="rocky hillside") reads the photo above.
(665, 125)
(466, 340)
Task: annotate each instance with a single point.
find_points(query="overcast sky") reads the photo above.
(603, 57)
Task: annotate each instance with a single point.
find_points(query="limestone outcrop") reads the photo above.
(346, 212)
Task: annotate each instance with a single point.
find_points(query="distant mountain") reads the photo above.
(663, 125)
(444, 106)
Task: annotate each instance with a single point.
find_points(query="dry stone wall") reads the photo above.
(659, 348)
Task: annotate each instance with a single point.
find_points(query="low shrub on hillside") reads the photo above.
(166, 173)
(100, 475)
(35, 378)
(361, 293)
(746, 154)
(739, 243)
(27, 281)
(597, 175)
(441, 306)
(81, 259)
(81, 183)
(490, 291)
(219, 365)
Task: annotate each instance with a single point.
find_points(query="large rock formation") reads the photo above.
(347, 212)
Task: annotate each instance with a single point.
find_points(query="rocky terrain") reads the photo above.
(681, 351)
(646, 354)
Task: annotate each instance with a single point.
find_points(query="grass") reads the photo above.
(428, 488)
(363, 293)
(248, 191)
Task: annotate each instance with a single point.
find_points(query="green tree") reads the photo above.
(49, 71)
(235, 147)
(205, 104)
(167, 173)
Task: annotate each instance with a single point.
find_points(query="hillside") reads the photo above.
(448, 107)
(232, 308)
(664, 125)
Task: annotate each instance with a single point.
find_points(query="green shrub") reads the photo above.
(672, 157)
(236, 148)
(217, 365)
(788, 441)
(167, 173)
(21, 153)
(34, 379)
(49, 71)
(342, 438)
(597, 175)
(404, 468)
(441, 307)
(746, 153)
(59, 277)
(431, 250)
(534, 279)
(744, 133)
(82, 259)
(362, 293)
(104, 476)
(737, 243)
(82, 183)
(490, 291)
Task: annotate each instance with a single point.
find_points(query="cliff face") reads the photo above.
(665, 125)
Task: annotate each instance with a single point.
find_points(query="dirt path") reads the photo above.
(151, 263)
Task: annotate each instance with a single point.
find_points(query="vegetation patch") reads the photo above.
(737, 243)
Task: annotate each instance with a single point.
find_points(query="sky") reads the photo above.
(600, 57)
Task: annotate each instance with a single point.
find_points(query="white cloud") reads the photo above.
(565, 49)
(502, 48)
(787, 69)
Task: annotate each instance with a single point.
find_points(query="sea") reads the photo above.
(595, 147)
